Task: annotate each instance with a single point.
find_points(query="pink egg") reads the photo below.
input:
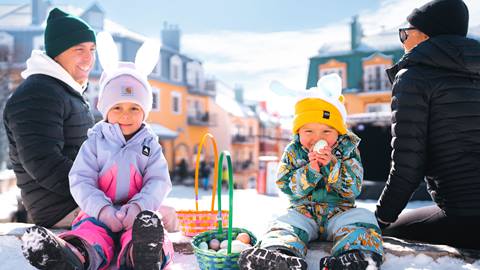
(214, 244)
(244, 238)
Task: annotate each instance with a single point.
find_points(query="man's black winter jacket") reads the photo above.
(436, 127)
(46, 123)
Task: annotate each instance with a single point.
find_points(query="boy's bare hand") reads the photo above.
(314, 160)
(324, 156)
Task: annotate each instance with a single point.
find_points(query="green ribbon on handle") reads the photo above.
(225, 154)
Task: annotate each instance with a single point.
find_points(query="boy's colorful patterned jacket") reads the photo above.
(337, 184)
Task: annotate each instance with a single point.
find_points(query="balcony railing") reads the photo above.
(242, 166)
(238, 138)
(201, 119)
(206, 91)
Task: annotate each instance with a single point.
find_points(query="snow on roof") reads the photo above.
(15, 15)
(229, 105)
(381, 118)
(163, 132)
(115, 28)
(386, 40)
(226, 100)
(19, 16)
(383, 41)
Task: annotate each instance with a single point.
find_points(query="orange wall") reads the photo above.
(357, 103)
(165, 117)
(377, 60)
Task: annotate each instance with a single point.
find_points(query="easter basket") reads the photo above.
(193, 222)
(210, 259)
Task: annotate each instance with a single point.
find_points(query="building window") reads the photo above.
(334, 66)
(176, 102)
(340, 71)
(176, 68)
(195, 74)
(378, 107)
(155, 99)
(375, 78)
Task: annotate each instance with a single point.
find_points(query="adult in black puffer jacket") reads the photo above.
(435, 129)
(46, 119)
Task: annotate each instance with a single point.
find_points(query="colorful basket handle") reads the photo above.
(225, 154)
(197, 165)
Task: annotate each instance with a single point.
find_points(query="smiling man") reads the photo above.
(47, 119)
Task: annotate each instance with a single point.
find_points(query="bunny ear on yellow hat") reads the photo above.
(322, 104)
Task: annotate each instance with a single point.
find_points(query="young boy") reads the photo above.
(321, 184)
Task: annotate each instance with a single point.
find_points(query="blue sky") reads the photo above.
(194, 16)
(254, 42)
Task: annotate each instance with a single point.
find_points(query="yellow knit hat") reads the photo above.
(322, 104)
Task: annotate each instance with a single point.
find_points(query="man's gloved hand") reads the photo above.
(128, 212)
(108, 216)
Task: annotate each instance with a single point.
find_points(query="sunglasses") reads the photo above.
(402, 33)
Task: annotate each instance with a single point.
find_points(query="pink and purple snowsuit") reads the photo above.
(111, 171)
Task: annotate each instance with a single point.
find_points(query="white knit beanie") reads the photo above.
(124, 84)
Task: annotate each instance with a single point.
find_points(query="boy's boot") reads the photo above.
(147, 241)
(44, 250)
(260, 258)
(351, 260)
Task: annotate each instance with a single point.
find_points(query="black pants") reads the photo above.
(430, 224)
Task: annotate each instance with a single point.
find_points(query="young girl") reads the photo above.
(119, 178)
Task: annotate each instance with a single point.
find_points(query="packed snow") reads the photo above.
(251, 211)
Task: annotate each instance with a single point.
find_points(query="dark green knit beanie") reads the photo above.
(64, 31)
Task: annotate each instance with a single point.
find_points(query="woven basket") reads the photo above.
(193, 222)
(210, 259)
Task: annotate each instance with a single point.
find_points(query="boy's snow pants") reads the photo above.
(349, 229)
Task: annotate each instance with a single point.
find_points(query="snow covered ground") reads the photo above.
(251, 211)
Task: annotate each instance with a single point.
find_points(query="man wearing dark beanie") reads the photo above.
(47, 118)
(435, 129)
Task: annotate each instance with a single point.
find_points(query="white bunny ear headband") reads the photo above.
(114, 86)
(145, 59)
(328, 87)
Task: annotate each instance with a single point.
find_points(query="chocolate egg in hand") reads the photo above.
(319, 145)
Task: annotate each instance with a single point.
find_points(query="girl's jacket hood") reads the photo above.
(40, 63)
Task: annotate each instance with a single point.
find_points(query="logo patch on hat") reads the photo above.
(127, 91)
(326, 114)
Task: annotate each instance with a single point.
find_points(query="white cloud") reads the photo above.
(255, 59)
